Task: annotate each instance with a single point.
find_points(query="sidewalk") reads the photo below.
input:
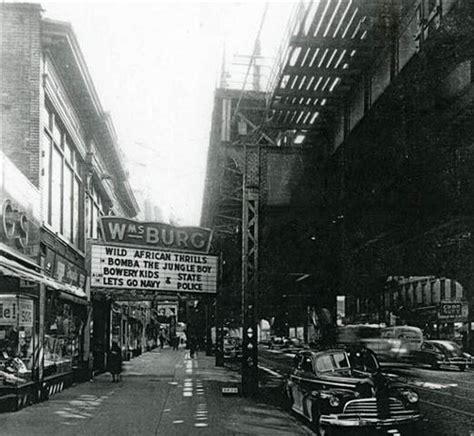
(161, 393)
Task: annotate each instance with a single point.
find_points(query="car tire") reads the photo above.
(462, 367)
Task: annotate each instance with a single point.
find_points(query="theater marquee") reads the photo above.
(125, 231)
(125, 267)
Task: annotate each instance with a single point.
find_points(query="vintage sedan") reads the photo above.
(437, 353)
(343, 390)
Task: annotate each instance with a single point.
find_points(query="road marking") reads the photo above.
(270, 371)
(451, 409)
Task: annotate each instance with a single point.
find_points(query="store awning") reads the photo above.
(11, 268)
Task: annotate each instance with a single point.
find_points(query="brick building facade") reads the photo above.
(62, 169)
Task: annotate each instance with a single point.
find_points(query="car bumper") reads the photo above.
(454, 362)
(357, 421)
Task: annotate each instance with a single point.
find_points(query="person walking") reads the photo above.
(114, 362)
(175, 342)
(192, 344)
(162, 339)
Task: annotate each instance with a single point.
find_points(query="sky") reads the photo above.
(155, 66)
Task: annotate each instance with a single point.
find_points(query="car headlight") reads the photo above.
(334, 401)
(411, 396)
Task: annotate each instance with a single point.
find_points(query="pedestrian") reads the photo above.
(162, 339)
(114, 362)
(175, 342)
(192, 345)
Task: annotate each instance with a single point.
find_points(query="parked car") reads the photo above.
(232, 348)
(279, 342)
(437, 353)
(344, 388)
(296, 343)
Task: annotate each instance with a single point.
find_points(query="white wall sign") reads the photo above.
(14, 311)
(124, 267)
(25, 313)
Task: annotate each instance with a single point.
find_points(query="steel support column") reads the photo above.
(219, 317)
(250, 215)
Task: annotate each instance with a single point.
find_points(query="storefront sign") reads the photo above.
(155, 235)
(20, 210)
(25, 313)
(62, 269)
(67, 272)
(15, 311)
(154, 270)
(450, 310)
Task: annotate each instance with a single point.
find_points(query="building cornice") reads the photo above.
(59, 39)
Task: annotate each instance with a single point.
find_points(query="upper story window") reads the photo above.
(94, 210)
(61, 186)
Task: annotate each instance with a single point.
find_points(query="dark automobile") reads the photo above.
(278, 343)
(343, 389)
(232, 348)
(441, 353)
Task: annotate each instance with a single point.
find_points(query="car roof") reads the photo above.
(440, 342)
(318, 352)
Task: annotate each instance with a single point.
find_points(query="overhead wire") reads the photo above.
(252, 60)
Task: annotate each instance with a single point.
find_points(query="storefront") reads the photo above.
(437, 305)
(101, 331)
(43, 305)
(136, 331)
(19, 344)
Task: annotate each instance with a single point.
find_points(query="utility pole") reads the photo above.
(218, 316)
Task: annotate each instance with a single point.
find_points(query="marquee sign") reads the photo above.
(132, 268)
(155, 235)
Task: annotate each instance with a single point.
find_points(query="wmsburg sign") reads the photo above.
(155, 235)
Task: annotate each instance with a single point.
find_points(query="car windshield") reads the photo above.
(332, 362)
(363, 360)
(450, 346)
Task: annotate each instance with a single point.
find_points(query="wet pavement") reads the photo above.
(161, 393)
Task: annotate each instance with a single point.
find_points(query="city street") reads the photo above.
(188, 176)
(161, 392)
(446, 395)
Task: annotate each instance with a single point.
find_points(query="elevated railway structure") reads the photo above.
(364, 149)
(383, 91)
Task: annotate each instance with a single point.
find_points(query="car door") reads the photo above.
(295, 387)
(308, 384)
(302, 377)
(427, 354)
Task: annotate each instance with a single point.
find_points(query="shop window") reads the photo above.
(63, 335)
(18, 340)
